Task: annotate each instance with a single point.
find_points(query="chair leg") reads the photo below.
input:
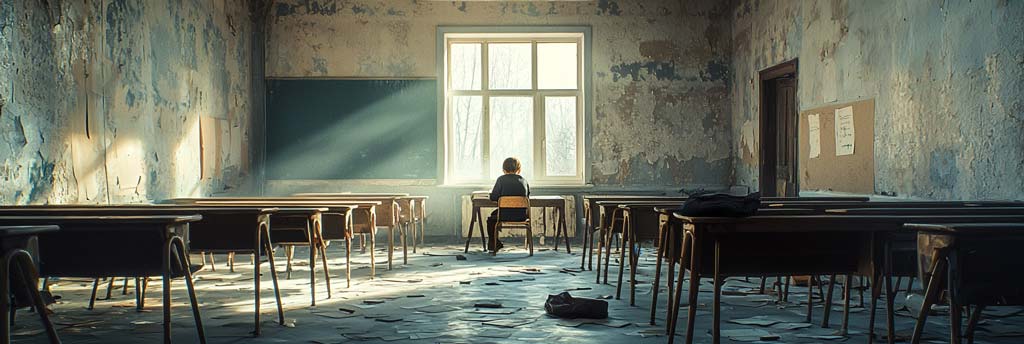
(213, 263)
(92, 297)
(273, 276)
(622, 263)
(289, 252)
(529, 236)
(191, 290)
(657, 272)
(142, 295)
(110, 287)
(231, 262)
(327, 272)
(30, 277)
(938, 270)
(828, 301)
(124, 287)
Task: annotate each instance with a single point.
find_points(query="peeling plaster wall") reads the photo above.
(660, 72)
(102, 100)
(947, 78)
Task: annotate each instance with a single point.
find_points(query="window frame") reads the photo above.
(533, 36)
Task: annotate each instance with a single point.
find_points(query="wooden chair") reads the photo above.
(513, 202)
(18, 278)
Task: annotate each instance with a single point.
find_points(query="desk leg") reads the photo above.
(600, 247)
(565, 230)
(846, 305)
(695, 274)
(586, 236)
(972, 323)
(890, 308)
(673, 255)
(348, 261)
(876, 289)
(634, 262)
(391, 246)
(828, 301)
(543, 224)
(372, 215)
(166, 279)
(622, 254)
(716, 330)
(312, 270)
(558, 228)
(255, 278)
(657, 273)
(273, 277)
(955, 308)
(810, 298)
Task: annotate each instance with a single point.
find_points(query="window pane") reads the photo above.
(556, 66)
(467, 137)
(511, 124)
(560, 136)
(509, 66)
(465, 66)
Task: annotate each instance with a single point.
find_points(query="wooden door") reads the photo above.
(778, 129)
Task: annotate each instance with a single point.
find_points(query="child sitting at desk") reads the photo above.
(509, 184)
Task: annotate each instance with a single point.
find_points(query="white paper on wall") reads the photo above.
(845, 132)
(814, 135)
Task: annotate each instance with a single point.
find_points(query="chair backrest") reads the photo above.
(514, 202)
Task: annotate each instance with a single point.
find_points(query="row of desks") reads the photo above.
(789, 237)
(155, 240)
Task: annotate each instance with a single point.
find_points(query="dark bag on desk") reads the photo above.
(722, 205)
(565, 306)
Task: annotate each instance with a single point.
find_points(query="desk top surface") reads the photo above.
(1016, 229)
(84, 219)
(12, 231)
(822, 223)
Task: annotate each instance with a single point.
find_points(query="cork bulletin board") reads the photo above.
(835, 169)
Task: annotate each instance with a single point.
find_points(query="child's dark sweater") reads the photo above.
(511, 185)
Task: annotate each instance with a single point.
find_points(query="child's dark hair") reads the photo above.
(511, 165)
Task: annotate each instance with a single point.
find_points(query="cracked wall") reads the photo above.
(660, 70)
(947, 78)
(122, 101)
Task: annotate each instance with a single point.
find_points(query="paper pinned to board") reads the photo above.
(845, 132)
(814, 135)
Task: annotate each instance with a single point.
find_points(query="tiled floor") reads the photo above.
(431, 300)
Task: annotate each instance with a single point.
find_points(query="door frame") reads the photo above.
(768, 171)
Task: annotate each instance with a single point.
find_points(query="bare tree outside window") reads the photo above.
(514, 96)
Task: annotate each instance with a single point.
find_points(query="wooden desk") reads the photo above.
(963, 255)
(544, 202)
(222, 230)
(364, 212)
(102, 246)
(386, 215)
(19, 245)
(816, 244)
(591, 218)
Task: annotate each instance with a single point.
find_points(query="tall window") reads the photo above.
(515, 95)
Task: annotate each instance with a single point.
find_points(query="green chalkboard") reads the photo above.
(351, 129)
